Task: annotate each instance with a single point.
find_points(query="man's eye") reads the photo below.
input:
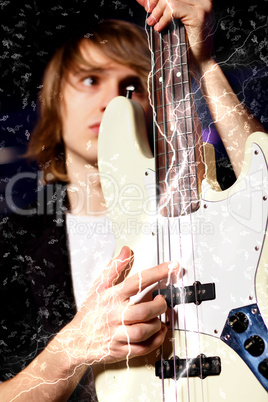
(88, 82)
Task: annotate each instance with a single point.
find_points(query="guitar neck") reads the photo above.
(177, 156)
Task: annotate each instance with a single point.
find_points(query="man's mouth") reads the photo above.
(95, 128)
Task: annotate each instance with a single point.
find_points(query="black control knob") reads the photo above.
(263, 368)
(254, 345)
(239, 322)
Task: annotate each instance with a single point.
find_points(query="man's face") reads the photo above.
(86, 95)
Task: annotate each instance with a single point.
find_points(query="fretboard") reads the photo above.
(174, 129)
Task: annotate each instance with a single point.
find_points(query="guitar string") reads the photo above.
(184, 204)
(170, 204)
(162, 238)
(162, 75)
(171, 199)
(172, 213)
(158, 237)
(178, 146)
(189, 94)
(168, 166)
(179, 217)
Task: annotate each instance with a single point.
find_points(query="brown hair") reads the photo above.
(123, 42)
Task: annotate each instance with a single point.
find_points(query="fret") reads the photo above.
(181, 137)
(178, 183)
(177, 164)
(174, 121)
(176, 92)
(173, 194)
(163, 83)
(175, 103)
(179, 203)
(175, 117)
(173, 174)
(180, 165)
(180, 77)
(187, 152)
(170, 130)
(178, 147)
(176, 158)
(174, 98)
(175, 46)
(182, 199)
(171, 87)
(171, 65)
(173, 191)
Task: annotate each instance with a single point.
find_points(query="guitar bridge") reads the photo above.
(196, 293)
(200, 366)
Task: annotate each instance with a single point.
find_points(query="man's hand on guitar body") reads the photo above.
(110, 327)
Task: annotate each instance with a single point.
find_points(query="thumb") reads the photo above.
(118, 266)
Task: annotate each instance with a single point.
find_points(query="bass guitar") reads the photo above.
(171, 207)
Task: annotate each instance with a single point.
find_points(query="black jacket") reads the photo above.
(36, 297)
(36, 294)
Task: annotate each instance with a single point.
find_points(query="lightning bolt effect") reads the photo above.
(241, 46)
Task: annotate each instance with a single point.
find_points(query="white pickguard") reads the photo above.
(223, 242)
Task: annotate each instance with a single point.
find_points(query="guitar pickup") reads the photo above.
(200, 366)
(197, 293)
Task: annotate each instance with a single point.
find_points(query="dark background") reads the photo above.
(31, 30)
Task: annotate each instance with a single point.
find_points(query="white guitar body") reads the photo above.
(223, 242)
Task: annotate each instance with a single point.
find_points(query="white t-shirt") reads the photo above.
(91, 246)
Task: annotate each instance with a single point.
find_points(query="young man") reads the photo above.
(57, 344)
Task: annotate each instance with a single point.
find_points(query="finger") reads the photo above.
(143, 279)
(164, 20)
(145, 347)
(143, 312)
(148, 4)
(157, 13)
(139, 332)
(115, 269)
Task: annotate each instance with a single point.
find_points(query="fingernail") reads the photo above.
(164, 327)
(148, 7)
(159, 295)
(149, 20)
